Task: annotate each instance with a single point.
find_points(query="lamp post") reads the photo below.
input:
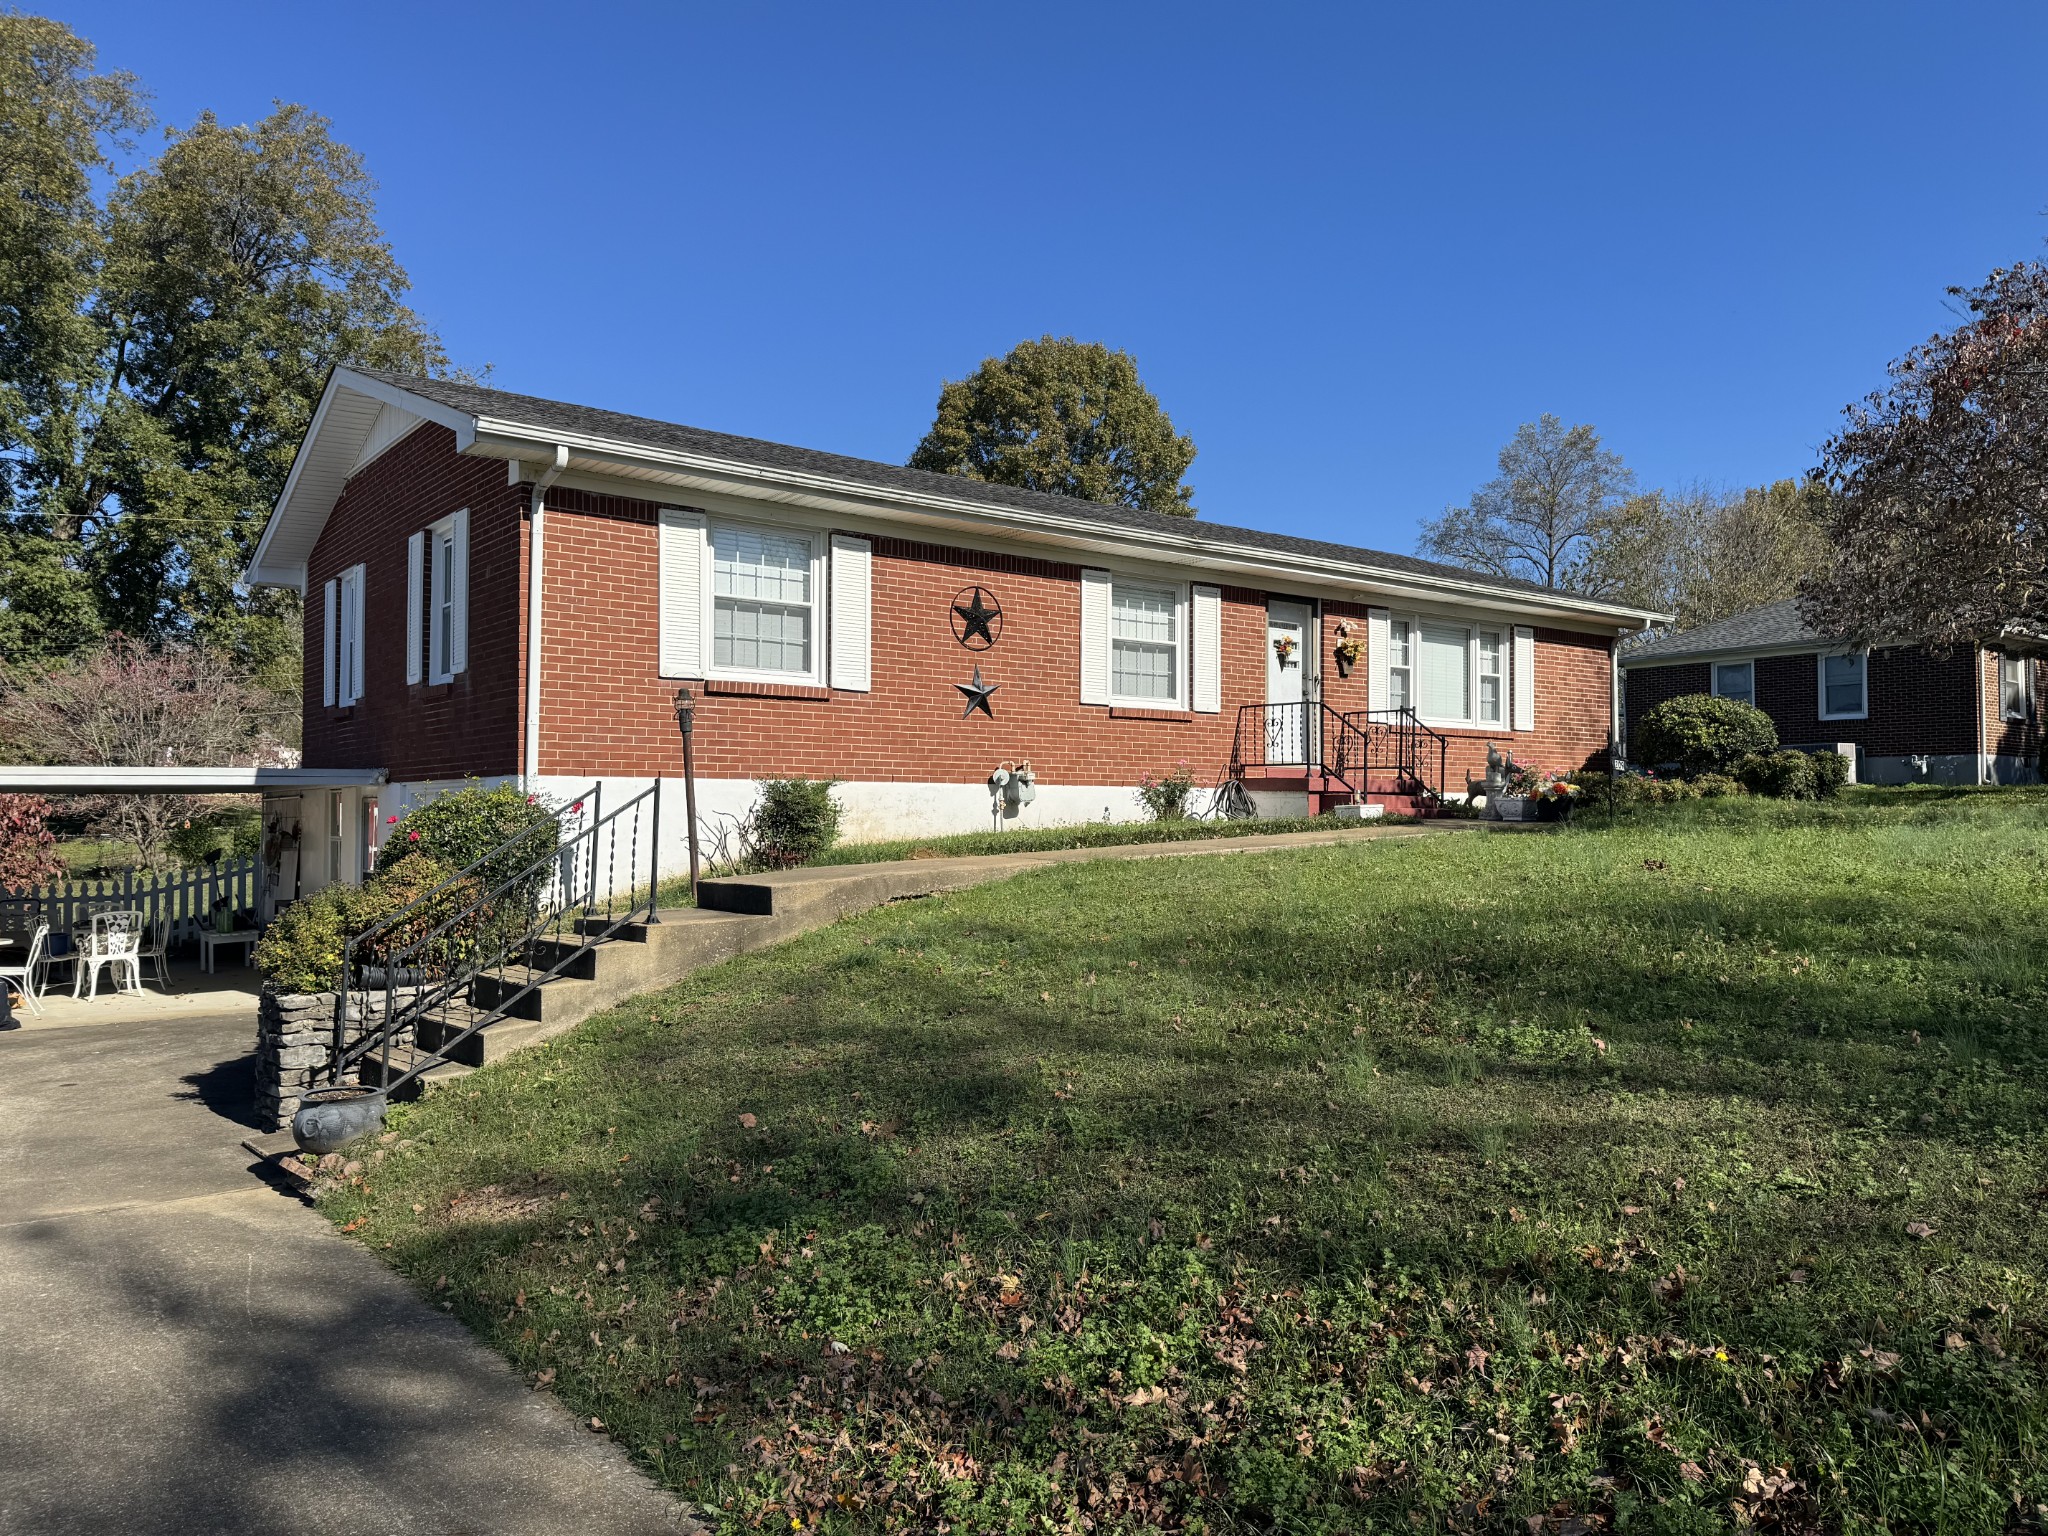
(686, 722)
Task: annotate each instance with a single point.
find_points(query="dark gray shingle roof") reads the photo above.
(1774, 624)
(532, 411)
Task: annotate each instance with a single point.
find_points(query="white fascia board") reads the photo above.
(266, 568)
(1753, 652)
(673, 467)
(87, 778)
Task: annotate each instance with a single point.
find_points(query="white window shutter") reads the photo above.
(458, 606)
(415, 575)
(1208, 649)
(1095, 637)
(1379, 637)
(330, 634)
(1525, 678)
(355, 650)
(683, 619)
(853, 602)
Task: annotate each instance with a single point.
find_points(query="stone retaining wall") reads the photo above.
(293, 1033)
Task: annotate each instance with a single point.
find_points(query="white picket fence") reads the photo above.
(186, 897)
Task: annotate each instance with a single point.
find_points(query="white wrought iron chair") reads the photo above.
(156, 938)
(115, 940)
(28, 973)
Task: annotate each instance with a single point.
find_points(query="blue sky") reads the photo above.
(1351, 247)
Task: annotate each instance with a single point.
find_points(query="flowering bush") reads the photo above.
(28, 851)
(1165, 796)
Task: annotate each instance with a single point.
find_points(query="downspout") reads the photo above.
(1977, 657)
(535, 546)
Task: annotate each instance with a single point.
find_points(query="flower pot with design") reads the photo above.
(1509, 807)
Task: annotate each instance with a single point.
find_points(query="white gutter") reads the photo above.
(536, 544)
(1983, 746)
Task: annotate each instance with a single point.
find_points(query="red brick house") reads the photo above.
(514, 588)
(1963, 715)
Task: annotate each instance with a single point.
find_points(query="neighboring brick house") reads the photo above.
(1959, 715)
(827, 613)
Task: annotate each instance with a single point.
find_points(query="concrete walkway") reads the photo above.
(184, 1349)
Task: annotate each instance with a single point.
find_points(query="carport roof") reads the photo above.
(89, 779)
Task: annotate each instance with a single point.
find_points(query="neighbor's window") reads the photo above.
(1491, 691)
(2014, 692)
(1400, 664)
(1144, 642)
(762, 602)
(1446, 692)
(1735, 680)
(334, 835)
(1844, 687)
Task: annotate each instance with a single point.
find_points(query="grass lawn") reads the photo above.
(1663, 1177)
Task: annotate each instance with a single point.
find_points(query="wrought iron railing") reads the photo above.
(1352, 749)
(471, 950)
(1404, 745)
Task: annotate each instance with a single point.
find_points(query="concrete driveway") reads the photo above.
(185, 1349)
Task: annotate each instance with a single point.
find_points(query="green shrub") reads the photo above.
(301, 951)
(1714, 786)
(1781, 775)
(793, 822)
(1165, 795)
(1703, 734)
(466, 825)
(1830, 772)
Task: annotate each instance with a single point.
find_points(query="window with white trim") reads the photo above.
(764, 599)
(1145, 627)
(1444, 657)
(1735, 680)
(1845, 687)
(444, 576)
(348, 660)
(1400, 664)
(1492, 677)
(2015, 688)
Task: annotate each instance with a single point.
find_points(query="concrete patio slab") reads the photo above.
(189, 1350)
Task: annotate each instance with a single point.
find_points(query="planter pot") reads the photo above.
(330, 1118)
(1510, 807)
(1557, 809)
(1345, 664)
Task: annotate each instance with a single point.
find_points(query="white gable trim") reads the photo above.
(393, 424)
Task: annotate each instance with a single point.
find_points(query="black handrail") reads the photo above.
(1348, 748)
(568, 891)
(1413, 745)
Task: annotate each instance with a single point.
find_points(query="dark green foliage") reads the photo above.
(231, 832)
(1063, 416)
(793, 822)
(302, 950)
(1830, 772)
(1702, 734)
(1784, 775)
(505, 830)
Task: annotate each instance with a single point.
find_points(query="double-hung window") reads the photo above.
(1735, 680)
(437, 601)
(2015, 690)
(1844, 687)
(345, 636)
(1400, 664)
(1145, 643)
(1492, 678)
(763, 601)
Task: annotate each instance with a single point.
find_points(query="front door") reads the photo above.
(1288, 659)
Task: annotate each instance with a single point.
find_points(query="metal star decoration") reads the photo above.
(977, 694)
(976, 615)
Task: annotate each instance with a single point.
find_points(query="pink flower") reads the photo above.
(577, 806)
(390, 821)
(413, 836)
(529, 799)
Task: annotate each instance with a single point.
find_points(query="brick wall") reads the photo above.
(605, 710)
(2011, 738)
(421, 731)
(1920, 700)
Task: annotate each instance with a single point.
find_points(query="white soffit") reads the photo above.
(349, 428)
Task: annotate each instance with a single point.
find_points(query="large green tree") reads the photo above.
(1064, 416)
(171, 343)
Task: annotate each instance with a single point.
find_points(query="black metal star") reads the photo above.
(975, 616)
(977, 693)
